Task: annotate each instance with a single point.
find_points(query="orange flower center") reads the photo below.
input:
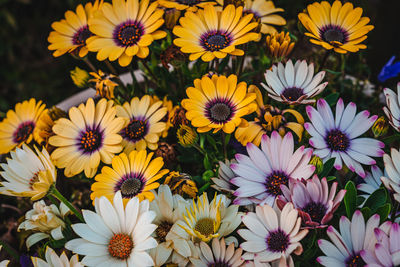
(120, 246)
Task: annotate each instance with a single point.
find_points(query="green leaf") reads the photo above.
(376, 199)
(332, 98)
(227, 138)
(202, 138)
(206, 163)
(327, 167)
(330, 178)
(384, 211)
(333, 72)
(207, 175)
(367, 212)
(350, 198)
(360, 200)
(204, 188)
(212, 142)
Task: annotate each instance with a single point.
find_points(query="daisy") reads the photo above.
(339, 27)
(218, 255)
(53, 260)
(337, 137)
(218, 103)
(260, 175)
(186, 135)
(392, 110)
(294, 84)
(186, 5)
(205, 221)
(28, 173)
(18, 126)
(70, 34)
(144, 126)
(115, 235)
(125, 29)
(268, 119)
(371, 182)
(346, 246)
(264, 12)
(392, 169)
(89, 136)
(387, 248)
(312, 198)
(279, 45)
(225, 174)
(3, 263)
(272, 234)
(134, 175)
(210, 33)
(169, 209)
(170, 111)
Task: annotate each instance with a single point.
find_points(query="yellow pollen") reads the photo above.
(205, 226)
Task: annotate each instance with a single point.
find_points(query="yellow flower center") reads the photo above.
(205, 226)
(120, 246)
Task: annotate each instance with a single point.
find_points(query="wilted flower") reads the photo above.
(181, 184)
(80, 77)
(179, 117)
(279, 45)
(44, 126)
(392, 109)
(47, 220)
(380, 127)
(171, 17)
(104, 85)
(167, 152)
(172, 55)
(186, 135)
(52, 260)
(390, 70)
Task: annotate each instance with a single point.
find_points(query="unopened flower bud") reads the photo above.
(80, 77)
(380, 127)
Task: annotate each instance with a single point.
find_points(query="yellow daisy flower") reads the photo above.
(210, 33)
(28, 173)
(170, 112)
(71, 33)
(339, 27)
(134, 176)
(144, 125)
(18, 126)
(125, 29)
(218, 103)
(263, 11)
(89, 136)
(267, 120)
(187, 5)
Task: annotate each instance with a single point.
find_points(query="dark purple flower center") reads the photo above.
(130, 185)
(215, 40)
(135, 130)
(337, 140)
(90, 140)
(316, 211)
(292, 93)
(355, 261)
(278, 241)
(188, 2)
(128, 33)
(23, 131)
(274, 181)
(334, 33)
(220, 111)
(81, 35)
(219, 264)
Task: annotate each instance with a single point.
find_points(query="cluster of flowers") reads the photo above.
(254, 205)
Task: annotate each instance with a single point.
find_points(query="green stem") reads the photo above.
(90, 65)
(149, 70)
(201, 150)
(54, 192)
(13, 253)
(111, 67)
(324, 59)
(223, 137)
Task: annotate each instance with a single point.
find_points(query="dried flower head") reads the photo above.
(104, 84)
(181, 184)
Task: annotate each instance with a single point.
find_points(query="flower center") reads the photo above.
(205, 226)
(131, 186)
(162, 231)
(128, 33)
(337, 141)
(81, 35)
(274, 181)
(135, 130)
(90, 140)
(215, 40)
(292, 93)
(220, 111)
(34, 179)
(355, 261)
(277, 241)
(316, 211)
(23, 132)
(120, 246)
(219, 264)
(188, 2)
(334, 33)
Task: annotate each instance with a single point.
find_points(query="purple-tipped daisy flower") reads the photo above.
(392, 168)
(387, 248)
(259, 175)
(392, 110)
(354, 237)
(337, 137)
(371, 182)
(312, 198)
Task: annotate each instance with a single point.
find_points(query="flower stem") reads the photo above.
(90, 65)
(13, 253)
(223, 137)
(324, 59)
(149, 70)
(54, 192)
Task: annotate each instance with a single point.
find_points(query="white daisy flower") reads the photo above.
(346, 246)
(294, 84)
(114, 235)
(259, 175)
(392, 168)
(371, 182)
(169, 209)
(337, 137)
(4, 263)
(52, 260)
(218, 255)
(272, 234)
(392, 110)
